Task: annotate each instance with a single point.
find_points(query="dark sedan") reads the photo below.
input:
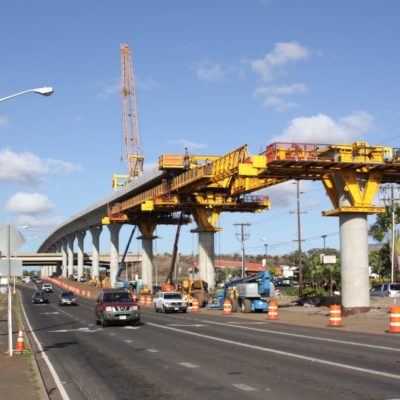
(40, 298)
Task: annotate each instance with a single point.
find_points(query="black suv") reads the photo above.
(116, 305)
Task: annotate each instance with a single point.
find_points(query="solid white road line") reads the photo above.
(282, 353)
(306, 336)
(53, 372)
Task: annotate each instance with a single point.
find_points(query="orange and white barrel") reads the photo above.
(273, 310)
(394, 326)
(148, 301)
(195, 305)
(227, 307)
(335, 315)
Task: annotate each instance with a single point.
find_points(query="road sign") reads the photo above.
(11, 239)
(15, 267)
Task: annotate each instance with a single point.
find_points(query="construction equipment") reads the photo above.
(169, 285)
(195, 289)
(250, 293)
(118, 274)
(133, 154)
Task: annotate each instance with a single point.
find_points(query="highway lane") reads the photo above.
(200, 356)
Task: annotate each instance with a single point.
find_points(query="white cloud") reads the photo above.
(273, 95)
(3, 121)
(281, 90)
(28, 203)
(323, 129)
(284, 194)
(188, 144)
(209, 71)
(109, 89)
(27, 168)
(40, 222)
(147, 84)
(279, 104)
(274, 62)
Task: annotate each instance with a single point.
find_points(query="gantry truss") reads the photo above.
(205, 186)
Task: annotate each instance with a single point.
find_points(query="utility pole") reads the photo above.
(324, 238)
(299, 240)
(242, 236)
(390, 203)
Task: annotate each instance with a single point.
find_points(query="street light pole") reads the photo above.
(44, 91)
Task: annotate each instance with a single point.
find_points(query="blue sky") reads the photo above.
(211, 75)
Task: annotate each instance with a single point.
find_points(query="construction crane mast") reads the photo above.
(131, 128)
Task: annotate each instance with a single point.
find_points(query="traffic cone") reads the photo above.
(195, 305)
(227, 307)
(335, 315)
(394, 326)
(272, 310)
(20, 346)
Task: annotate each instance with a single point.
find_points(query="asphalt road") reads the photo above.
(197, 356)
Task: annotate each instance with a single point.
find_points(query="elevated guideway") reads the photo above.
(205, 186)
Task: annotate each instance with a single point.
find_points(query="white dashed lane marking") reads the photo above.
(189, 365)
(244, 387)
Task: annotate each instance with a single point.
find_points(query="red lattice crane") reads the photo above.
(133, 154)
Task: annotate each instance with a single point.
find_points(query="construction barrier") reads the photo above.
(273, 310)
(148, 301)
(20, 346)
(394, 326)
(195, 305)
(335, 315)
(227, 307)
(142, 300)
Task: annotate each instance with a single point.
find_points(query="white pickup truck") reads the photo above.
(169, 302)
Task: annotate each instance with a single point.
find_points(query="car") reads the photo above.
(26, 279)
(68, 298)
(40, 297)
(391, 289)
(116, 306)
(169, 302)
(36, 279)
(82, 279)
(47, 287)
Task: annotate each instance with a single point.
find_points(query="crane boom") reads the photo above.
(131, 129)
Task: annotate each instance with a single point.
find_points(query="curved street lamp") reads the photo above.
(44, 91)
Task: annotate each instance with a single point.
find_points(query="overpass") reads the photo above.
(204, 186)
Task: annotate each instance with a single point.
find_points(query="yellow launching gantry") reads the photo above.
(208, 185)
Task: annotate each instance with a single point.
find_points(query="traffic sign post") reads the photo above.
(10, 240)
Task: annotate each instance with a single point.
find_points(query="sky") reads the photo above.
(211, 75)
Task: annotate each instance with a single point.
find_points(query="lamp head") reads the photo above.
(45, 91)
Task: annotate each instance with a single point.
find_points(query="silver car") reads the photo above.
(391, 289)
(68, 299)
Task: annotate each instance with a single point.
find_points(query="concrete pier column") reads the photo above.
(353, 248)
(64, 265)
(147, 229)
(95, 231)
(147, 262)
(354, 260)
(70, 252)
(81, 236)
(206, 258)
(114, 251)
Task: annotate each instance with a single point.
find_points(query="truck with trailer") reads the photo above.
(250, 293)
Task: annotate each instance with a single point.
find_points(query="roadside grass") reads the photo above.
(27, 355)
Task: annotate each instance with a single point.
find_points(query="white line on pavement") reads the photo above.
(307, 337)
(282, 353)
(244, 387)
(189, 365)
(53, 372)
